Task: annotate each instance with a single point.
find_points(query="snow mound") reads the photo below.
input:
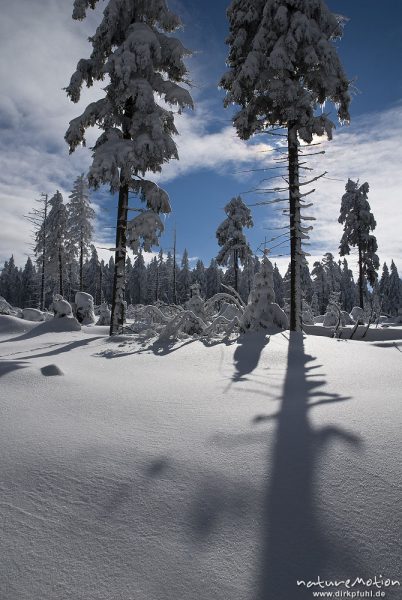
(85, 308)
(357, 314)
(33, 314)
(57, 325)
(262, 313)
(104, 314)
(61, 307)
(10, 325)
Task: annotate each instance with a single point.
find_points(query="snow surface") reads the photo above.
(137, 471)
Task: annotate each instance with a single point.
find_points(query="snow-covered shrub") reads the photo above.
(184, 323)
(261, 311)
(33, 314)
(332, 317)
(58, 325)
(214, 305)
(131, 310)
(307, 313)
(85, 308)
(104, 314)
(357, 314)
(5, 307)
(196, 304)
(150, 318)
(61, 307)
(346, 319)
(230, 311)
(319, 319)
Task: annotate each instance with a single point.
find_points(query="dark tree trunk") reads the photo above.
(236, 269)
(157, 284)
(100, 284)
(70, 279)
(174, 270)
(61, 290)
(81, 265)
(295, 240)
(119, 280)
(42, 287)
(361, 297)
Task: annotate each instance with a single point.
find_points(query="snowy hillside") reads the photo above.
(145, 472)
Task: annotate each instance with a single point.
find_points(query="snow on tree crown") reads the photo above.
(142, 63)
(130, 48)
(283, 65)
(230, 232)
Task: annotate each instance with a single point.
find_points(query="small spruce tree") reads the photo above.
(234, 246)
(80, 223)
(358, 222)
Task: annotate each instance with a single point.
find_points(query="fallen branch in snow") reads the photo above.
(236, 294)
(186, 322)
(220, 298)
(216, 326)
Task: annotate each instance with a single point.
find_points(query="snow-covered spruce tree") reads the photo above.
(107, 280)
(131, 48)
(347, 287)
(29, 285)
(167, 278)
(199, 277)
(138, 281)
(306, 283)
(278, 286)
(230, 236)
(394, 291)
(384, 288)
(91, 275)
(358, 222)
(333, 275)
(10, 282)
(127, 291)
(38, 218)
(213, 278)
(152, 275)
(261, 312)
(247, 277)
(80, 219)
(53, 241)
(283, 66)
(184, 279)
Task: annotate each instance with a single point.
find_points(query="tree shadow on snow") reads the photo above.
(294, 545)
(62, 349)
(8, 366)
(248, 353)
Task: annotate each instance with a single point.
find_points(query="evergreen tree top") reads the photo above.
(283, 65)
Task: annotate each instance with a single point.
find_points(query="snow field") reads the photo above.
(194, 472)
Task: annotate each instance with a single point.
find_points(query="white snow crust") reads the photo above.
(195, 472)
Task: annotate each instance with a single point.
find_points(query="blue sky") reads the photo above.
(40, 47)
